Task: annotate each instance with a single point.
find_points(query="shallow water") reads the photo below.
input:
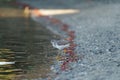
(28, 45)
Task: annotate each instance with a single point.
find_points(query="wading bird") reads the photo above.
(60, 44)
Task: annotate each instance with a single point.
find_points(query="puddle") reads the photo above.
(28, 45)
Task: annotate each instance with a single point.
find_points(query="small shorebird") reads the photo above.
(5, 63)
(60, 44)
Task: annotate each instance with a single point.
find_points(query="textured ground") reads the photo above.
(97, 35)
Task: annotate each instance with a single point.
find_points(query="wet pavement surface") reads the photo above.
(97, 37)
